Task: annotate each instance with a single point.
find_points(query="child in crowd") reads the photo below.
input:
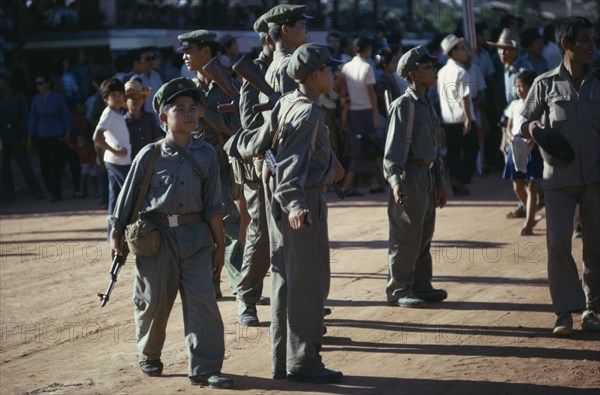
(89, 168)
(112, 135)
(524, 161)
(184, 202)
(143, 127)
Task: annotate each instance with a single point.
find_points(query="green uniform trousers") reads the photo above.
(411, 230)
(256, 260)
(299, 286)
(184, 264)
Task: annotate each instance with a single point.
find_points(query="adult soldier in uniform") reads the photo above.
(199, 47)
(255, 264)
(414, 170)
(569, 96)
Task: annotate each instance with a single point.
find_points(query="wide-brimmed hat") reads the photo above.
(135, 88)
(554, 147)
(449, 42)
(508, 39)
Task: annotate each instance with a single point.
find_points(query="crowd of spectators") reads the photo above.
(76, 78)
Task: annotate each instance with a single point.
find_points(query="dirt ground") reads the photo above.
(492, 335)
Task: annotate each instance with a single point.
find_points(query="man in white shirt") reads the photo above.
(363, 117)
(457, 114)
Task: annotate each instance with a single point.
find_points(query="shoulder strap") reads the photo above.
(409, 127)
(283, 120)
(146, 182)
(189, 157)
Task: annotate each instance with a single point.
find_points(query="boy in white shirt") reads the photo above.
(112, 136)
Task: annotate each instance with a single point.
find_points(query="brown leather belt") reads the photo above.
(420, 163)
(172, 221)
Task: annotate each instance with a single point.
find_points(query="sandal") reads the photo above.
(519, 212)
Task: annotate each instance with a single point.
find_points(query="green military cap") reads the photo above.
(285, 13)
(170, 90)
(309, 58)
(261, 26)
(195, 37)
(411, 60)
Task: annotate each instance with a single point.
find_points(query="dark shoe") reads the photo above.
(564, 325)
(320, 376)
(410, 300)
(248, 315)
(213, 381)
(326, 311)
(152, 368)
(590, 321)
(279, 374)
(433, 295)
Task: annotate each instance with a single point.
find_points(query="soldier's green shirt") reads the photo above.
(214, 122)
(423, 144)
(249, 96)
(175, 186)
(301, 164)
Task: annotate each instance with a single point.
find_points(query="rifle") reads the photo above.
(249, 71)
(118, 262)
(222, 76)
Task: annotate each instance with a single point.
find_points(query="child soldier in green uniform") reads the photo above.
(414, 170)
(184, 202)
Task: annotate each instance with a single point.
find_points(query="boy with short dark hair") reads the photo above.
(184, 203)
(112, 136)
(414, 170)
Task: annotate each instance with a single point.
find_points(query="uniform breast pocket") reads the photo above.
(559, 109)
(161, 180)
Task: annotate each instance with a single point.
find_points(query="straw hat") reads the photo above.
(133, 88)
(449, 42)
(507, 39)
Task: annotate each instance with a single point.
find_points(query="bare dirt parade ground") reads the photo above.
(492, 335)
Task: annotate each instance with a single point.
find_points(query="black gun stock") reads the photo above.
(117, 263)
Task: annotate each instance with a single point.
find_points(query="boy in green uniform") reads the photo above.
(414, 171)
(184, 203)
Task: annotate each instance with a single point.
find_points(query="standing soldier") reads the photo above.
(256, 250)
(199, 47)
(287, 28)
(183, 205)
(296, 132)
(414, 171)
